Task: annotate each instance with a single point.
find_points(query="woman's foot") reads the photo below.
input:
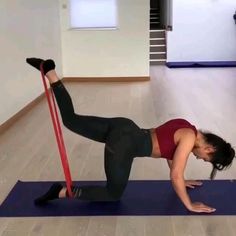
(48, 68)
(55, 192)
(48, 65)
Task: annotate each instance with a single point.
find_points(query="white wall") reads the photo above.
(104, 53)
(27, 28)
(203, 30)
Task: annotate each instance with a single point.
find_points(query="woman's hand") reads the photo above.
(192, 183)
(200, 207)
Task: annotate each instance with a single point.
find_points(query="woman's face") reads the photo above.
(202, 153)
(203, 150)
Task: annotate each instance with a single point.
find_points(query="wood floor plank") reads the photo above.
(74, 226)
(159, 225)
(3, 224)
(216, 226)
(101, 225)
(130, 226)
(46, 226)
(185, 226)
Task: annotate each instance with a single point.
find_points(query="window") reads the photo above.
(93, 13)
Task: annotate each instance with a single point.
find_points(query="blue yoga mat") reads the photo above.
(144, 198)
(201, 64)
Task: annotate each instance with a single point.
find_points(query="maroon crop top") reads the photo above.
(165, 136)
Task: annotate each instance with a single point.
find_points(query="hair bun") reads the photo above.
(228, 145)
(232, 151)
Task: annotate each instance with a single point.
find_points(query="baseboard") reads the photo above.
(22, 112)
(106, 79)
(201, 64)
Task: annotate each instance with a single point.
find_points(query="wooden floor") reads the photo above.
(207, 97)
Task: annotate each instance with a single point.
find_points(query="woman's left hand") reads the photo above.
(192, 183)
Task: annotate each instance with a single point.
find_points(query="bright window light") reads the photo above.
(93, 13)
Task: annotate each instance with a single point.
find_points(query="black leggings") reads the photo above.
(123, 140)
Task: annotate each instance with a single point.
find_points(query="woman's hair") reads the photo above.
(223, 155)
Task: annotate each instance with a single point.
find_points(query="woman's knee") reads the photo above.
(68, 121)
(116, 192)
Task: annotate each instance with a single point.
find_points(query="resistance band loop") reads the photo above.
(58, 133)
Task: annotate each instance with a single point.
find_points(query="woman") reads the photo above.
(124, 141)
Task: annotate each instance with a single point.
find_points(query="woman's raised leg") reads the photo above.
(92, 127)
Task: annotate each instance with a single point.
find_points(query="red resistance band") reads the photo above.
(58, 132)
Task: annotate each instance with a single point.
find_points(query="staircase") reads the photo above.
(157, 39)
(154, 18)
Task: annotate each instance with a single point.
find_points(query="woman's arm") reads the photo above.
(178, 165)
(188, 183)
(169, 162)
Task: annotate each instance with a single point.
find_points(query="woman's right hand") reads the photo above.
(200, 207)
